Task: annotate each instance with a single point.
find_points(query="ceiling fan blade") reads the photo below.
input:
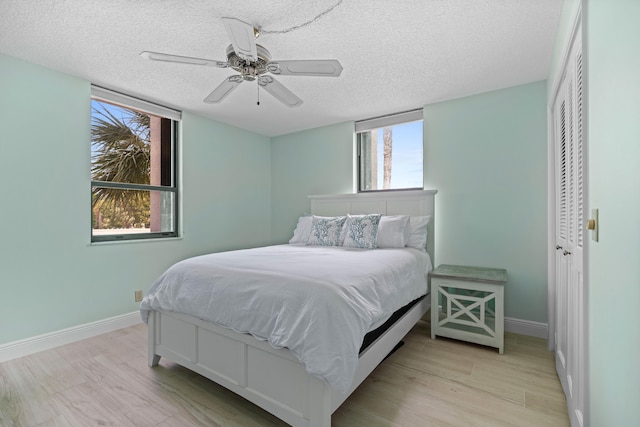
(279, 91)
(311, 67)
(156, 56)
(224, 89)
(242, 38)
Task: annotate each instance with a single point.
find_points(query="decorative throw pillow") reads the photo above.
(361, 231)
(325, 231)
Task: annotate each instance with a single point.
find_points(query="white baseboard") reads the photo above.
(38, 343)
(526, 327)
(27, 346)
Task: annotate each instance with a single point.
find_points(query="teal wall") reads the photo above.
(44, 214)
(486, 155)
(613, 137)
(316, 161)
(226, 186)
(51, 277)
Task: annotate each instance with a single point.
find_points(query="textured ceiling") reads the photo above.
(397, 55)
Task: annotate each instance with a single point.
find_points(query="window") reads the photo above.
(390, 152)
(133, 168)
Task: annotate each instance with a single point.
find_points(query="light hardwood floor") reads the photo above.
(105, 381)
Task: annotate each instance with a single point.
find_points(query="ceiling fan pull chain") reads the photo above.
(258, 94)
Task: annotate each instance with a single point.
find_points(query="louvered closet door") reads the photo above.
(562, 266)
(570, 331)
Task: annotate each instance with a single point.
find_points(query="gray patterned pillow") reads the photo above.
(361, 231)
(325, 231)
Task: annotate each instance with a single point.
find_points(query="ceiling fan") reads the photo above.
(253, 62)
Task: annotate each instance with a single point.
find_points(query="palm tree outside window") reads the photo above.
(133, 169)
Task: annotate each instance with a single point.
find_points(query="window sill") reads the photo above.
(121, 242)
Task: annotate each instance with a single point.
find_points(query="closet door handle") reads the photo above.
(558, 247)
(566, 253)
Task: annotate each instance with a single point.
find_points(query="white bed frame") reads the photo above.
(274, 379)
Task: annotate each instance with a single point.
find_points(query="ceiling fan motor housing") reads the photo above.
(249, 68)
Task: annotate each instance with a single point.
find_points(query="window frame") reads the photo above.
(125, 101)
(375, 123)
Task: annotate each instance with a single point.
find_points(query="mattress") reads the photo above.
(317, 301)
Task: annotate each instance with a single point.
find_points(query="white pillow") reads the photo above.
(302, 231)
(418, 232)
(325, 231)
(393, 231)
(361, 231)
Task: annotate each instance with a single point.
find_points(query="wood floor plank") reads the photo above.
(28, 401)
(547, 403)
(9, 403)
(427, 362)
(105, 380)
(134, 399)
(52, 370)
(59, 420)
(397, 402)
(83, 409)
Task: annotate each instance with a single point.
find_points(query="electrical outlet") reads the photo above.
(138, 296)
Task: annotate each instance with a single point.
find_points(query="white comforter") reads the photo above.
(318, 302)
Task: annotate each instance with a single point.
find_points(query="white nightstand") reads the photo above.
(467, 303)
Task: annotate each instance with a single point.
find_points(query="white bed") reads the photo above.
(274, 378)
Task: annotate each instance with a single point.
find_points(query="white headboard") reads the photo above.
(411, 202)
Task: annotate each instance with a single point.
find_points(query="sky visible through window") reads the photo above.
(406, 159)
(114, 109)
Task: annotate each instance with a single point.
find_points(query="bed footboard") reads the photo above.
(270, 378)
